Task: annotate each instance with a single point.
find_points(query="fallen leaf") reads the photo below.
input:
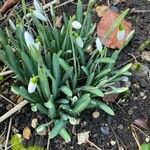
(100, 10)
(115, 2)
(110, 97)
(58, 22)
(142, 122)
(8, 4)
(104, 25)
(83, 137)
(146, 55)
(27, 133)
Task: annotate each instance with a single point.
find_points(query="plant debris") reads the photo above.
(27, 133)
(142, 122)
(7, 5)
(104, 25)
(83, 137)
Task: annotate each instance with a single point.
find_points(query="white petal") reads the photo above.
(76, 24)
(28, 39)
(120, 35)
(12, 25)
(99, 45)
(37, 6)
(32, 87)
(39, 15)
(79, 42)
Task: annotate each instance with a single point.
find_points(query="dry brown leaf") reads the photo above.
(110, 97)
(104, 25)
(27, 133)
(58, 22)
(83, 137)
(7, 5)
(142, 122)
(100, 10)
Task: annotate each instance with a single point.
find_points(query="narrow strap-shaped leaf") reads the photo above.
(67, 75)
(93, 90)
(56, 68)
(44, 84)
(66, 90)
(57, 128)
(79, 11)
(103, 73)
(65, 135)
(82, 103)
(64, 64)
(103, 106)
(90, 79)
(106, 60)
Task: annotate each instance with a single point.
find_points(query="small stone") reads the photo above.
(121, 148)
(15, 130)
(146, 55)
(27, 133)
(105, 130)
(120, 126)
(147, 139)
(143, 72)
(112, 142)
(95, 114)
(144, 97)
(142, 94)
(13, 97)
(58, 22)
(9, 106)
(34, 123)
(43, 132)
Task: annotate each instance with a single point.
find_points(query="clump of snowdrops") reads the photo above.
(57, 74)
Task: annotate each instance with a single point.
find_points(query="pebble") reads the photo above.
(121, 148)
(15, 130)
(143, 71)
(142, 94)
(20, 99)
(105, 130)
(120, 126)
(9, 106)
(147, 139)
(34, 123)
(146, 55)
(112, 142)
(95, 114)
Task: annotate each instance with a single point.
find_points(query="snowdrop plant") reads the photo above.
(57, 75)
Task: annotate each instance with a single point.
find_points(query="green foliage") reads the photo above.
(69, 79)
(16, 144)
(145, 146)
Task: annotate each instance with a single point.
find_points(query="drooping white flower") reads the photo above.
(76, 24)
(29, 39)
(39, 15)
(79, 42)
(32, 85)
(121, 33)
(37, 6)
(99, 45)
(12, 25)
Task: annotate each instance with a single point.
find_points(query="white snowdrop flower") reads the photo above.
(79, 42)
(39, 15)
(121, 33)
(29, 39)
(32, 85)
(76, 24)
(99, 45)
(12, 25)
(37, 6)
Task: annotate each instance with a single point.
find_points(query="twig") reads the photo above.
(8, 133)
(139, 11)
(65, 3)
(135, 137)
(6, 73)
(48, 140)
(7, 99)
(13, 110)
(139, 130)
(91, 143)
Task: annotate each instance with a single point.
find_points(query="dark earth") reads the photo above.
(105, 128)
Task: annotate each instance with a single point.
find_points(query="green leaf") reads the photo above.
(145, 146)
(106, 60)
(103, 106)
(81, 104)
(67, 75)
(44, 84)
(79, 11)
(90, 79)
(66, 90)
(65, 135)
(54, 88)
(64, 64)
(103, 73)
(93, 90)
(124, 69)
(57, 128)
(85, 70)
